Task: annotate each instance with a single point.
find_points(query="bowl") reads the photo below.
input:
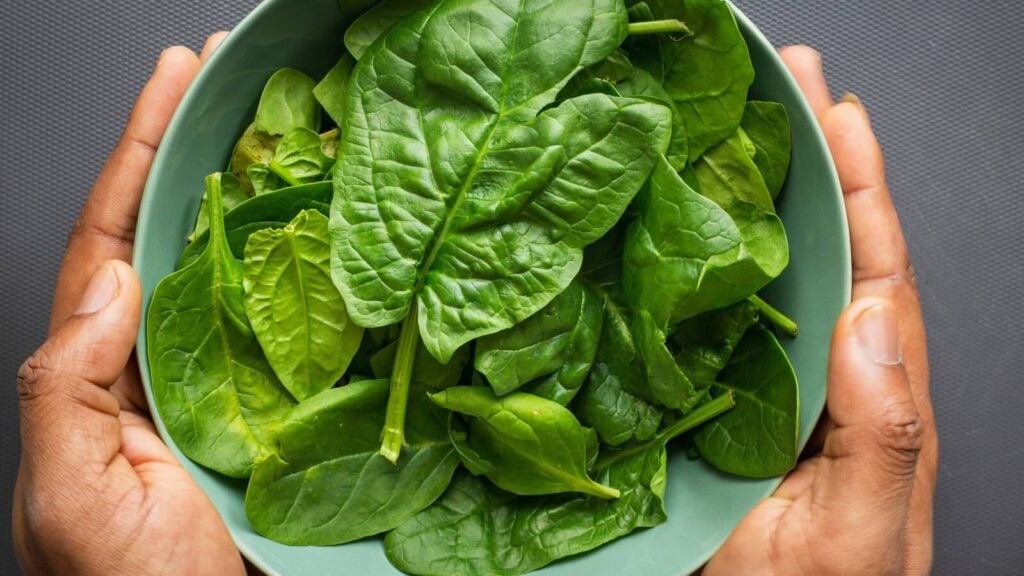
(703, 505)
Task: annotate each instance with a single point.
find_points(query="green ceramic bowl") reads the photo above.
(703, 505)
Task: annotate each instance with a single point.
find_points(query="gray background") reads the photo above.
(943, 84)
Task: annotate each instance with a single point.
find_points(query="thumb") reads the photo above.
(870, 456)
(69, 418)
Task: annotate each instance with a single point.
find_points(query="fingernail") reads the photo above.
(100, 291)
(878, 331)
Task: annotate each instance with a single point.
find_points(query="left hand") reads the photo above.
(98, 492)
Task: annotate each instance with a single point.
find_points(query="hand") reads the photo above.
(97, 490)
(863, 504)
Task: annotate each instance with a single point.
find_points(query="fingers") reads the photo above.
(106, 228)
(69, 418)
(870, 459)
(212, 43)
(804, 64)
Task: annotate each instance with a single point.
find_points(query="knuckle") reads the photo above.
(34, 374)
(901, 434)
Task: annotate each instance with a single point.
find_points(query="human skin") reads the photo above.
(99, 493)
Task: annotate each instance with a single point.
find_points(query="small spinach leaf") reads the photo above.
(767, 125)
(758, 438)
(254, 148)
(550, 352)
(287, 103)
(300, 159)
(296, 312)
(327, 484)
(532, 446)
(263, 180)
(215, 391)
(476, 528)
(271, 210)
(668, 385)
(706, 342)
(642, 84)
(333, 89)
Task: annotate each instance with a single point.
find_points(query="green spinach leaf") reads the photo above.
(706, 342)
(706, 74)
(333, 89)
(525, 444)
(642, 84)
(300, 159)
(550, 353)
(477, 201)
(767, 125)
(287, 103)
(327, 483)
(297, 314)
(232, 195)
(213, 387)
(254, 148)
(758, 438)
(376, 21)
(271, 210)
(476, 528)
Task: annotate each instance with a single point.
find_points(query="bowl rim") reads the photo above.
(747, 28)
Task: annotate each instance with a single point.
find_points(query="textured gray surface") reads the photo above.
(942, 83)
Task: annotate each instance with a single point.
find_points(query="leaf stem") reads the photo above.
(393, 437)
(659, 27)
(702, 414)
(283, 174)
(772, 314)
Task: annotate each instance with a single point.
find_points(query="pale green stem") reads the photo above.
(699, 416)
(393, 437)
(770, 313)
(659, 27)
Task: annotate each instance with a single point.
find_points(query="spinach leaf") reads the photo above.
(525, 444)
(333, 89)
(376, 21)
(232, 195)
(270, 210)
(476, 528)
(214, 389)
(706, 74)
(287, 103)
(758, 438)
(327, 484)
(297, 314)
(642, 84)
(300, 159)
(690, 252)
(263, 180)
(706, 342)
(254, 148)
(668, 385)
(477, 201)
(767, 125)
(599, 78)
(615, 399)
(550, 352)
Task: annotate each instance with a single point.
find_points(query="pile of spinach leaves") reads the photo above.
(463, 290)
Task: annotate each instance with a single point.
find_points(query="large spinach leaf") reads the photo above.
(767, 125)
(297, 314)
(373, 23)
(758, 438)
(707, 74)
(476, 528)
(550, 353)
(270, 210)
(327, 483)
(475, 200)
(525, 444)
(213, 387)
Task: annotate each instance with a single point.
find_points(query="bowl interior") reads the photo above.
(703, 505)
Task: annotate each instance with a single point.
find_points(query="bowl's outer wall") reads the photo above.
(703, 505)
